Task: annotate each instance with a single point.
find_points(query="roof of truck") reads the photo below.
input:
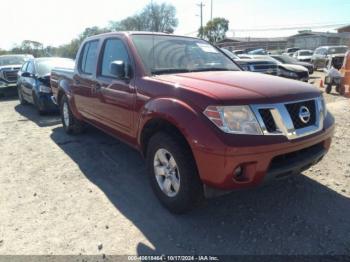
(136, 33)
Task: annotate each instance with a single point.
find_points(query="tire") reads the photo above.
(22, 101)
(186, 189)
(342, 90)
(337, 88)
(329, 89)
(71, 124)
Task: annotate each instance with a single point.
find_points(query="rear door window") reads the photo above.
(89, 57)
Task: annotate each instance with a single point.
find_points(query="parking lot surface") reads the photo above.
(89, 194)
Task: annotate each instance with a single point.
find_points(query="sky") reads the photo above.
(56, 22)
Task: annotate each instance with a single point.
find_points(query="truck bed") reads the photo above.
(59, 78)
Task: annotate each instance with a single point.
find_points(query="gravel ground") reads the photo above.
(89, 194)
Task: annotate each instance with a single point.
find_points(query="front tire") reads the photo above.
(21, 99)
(173, 173)
(71, 124)
(329, 89)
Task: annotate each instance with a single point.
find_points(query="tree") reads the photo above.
(29, 47)
(154, 17)
(3, 52)
(215, 30)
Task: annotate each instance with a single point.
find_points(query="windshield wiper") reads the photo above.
(169, 71)
(211, 69)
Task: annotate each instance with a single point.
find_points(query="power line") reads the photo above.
(295, 27)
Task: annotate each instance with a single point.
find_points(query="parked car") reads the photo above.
(238, 52)
(200, 122)
(9, 66)
(333, 73)
(33, 83)
(323, 54)
(229, 54)
(290, 51)
(303, 55)
(259, 51)
(259, 66)
(284, 59)
(296, 72)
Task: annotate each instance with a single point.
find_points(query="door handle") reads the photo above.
(96, 87)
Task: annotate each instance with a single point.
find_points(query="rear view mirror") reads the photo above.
(118, 69)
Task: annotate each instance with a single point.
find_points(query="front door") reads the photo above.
(117, 95)
(28, 83)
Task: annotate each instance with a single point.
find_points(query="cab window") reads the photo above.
(88, 58)
(114, 50)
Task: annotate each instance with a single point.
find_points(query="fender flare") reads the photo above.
(189, 122)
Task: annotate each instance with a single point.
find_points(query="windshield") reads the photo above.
(13, 60)
(44, 66)
(338, 50)
(163, 54)
(305, 53)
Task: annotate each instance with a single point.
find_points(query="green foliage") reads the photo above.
(154, 17)
(215, 30)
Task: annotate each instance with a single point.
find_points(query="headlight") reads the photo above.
(283, 72)
(234, 119)
(44, 89)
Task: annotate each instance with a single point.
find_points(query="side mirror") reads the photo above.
(119, 69)
(26, 74)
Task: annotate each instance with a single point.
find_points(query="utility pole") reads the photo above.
(211, 10)
(201, 5)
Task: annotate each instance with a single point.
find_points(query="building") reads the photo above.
(311, 40)
(344, 29)
(236, 43)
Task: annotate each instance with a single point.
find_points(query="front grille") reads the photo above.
(268, 119)
(303, 75)
(10, 76)
(293, 110)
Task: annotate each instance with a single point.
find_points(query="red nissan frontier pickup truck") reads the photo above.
(199, 120)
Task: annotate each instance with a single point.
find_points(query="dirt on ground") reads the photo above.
(89, 194)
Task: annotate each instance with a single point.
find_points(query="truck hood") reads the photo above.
(304, 57)
(10, 67)
(239, 87)
(294, 68)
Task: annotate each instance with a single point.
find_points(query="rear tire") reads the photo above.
(185, 189)
(71, 124)
(329, 89)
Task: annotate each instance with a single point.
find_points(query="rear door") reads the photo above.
(84, 82)
(117, 96)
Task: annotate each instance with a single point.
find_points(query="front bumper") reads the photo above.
(45, 102)
(264, 162)
(8, 88)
